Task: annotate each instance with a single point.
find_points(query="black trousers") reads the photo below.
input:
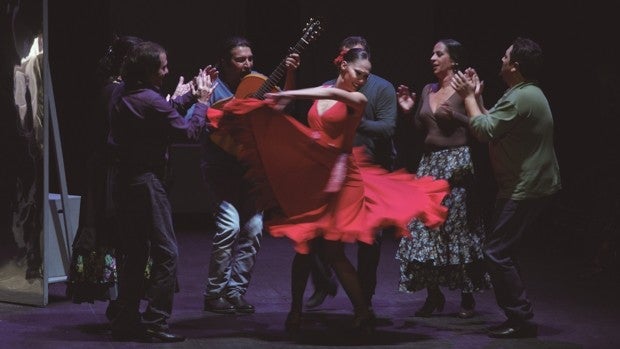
(146, 228)
(511, 220)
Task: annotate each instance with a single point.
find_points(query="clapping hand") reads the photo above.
(463, 84)
(467, 82)
(406, 99)
(205, 84)
(471, 74)
(181, 89)
(212, 72)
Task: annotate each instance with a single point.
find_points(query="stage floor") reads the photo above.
(572, 312)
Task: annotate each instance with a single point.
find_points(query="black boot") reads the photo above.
(435, 300)
(468, 304)
(320, 293)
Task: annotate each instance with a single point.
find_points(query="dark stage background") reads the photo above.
(581, 76)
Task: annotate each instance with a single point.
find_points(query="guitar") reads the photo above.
(256, 85)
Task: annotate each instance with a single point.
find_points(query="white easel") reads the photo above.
(64, 209)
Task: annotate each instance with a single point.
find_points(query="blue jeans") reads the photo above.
(235, 245)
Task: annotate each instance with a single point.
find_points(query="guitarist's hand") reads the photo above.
(292, 62)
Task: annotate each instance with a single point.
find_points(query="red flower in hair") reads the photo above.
(340, 57)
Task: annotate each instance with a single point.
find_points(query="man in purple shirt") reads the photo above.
(143, 125)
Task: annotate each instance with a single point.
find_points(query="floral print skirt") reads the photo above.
(450, 255)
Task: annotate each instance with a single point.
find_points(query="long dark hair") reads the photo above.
(110, 64)
(456, 52)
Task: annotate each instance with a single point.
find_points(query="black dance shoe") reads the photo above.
(320, 293)
(468, 304)
(432, 303)
(241, 305)
(219, 306)
(466, 313)
(365, 324)
(293, 322)
(112, 310)
(163, 336)
(512, 329)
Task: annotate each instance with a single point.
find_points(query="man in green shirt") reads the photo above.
(519, 129)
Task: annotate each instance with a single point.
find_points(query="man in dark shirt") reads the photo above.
(143, 125)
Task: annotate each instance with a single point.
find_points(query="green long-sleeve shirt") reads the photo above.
(519, 129)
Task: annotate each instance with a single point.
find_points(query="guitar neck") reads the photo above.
(278, 73)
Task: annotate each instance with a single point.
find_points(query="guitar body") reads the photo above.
(247, 87)
(250, 84)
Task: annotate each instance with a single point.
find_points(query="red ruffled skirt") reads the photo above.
(292, 168)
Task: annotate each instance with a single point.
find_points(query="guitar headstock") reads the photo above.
(312, 30)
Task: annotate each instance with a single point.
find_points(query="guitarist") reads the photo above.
(238, 225)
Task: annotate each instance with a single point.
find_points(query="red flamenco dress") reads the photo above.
(314, 179)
